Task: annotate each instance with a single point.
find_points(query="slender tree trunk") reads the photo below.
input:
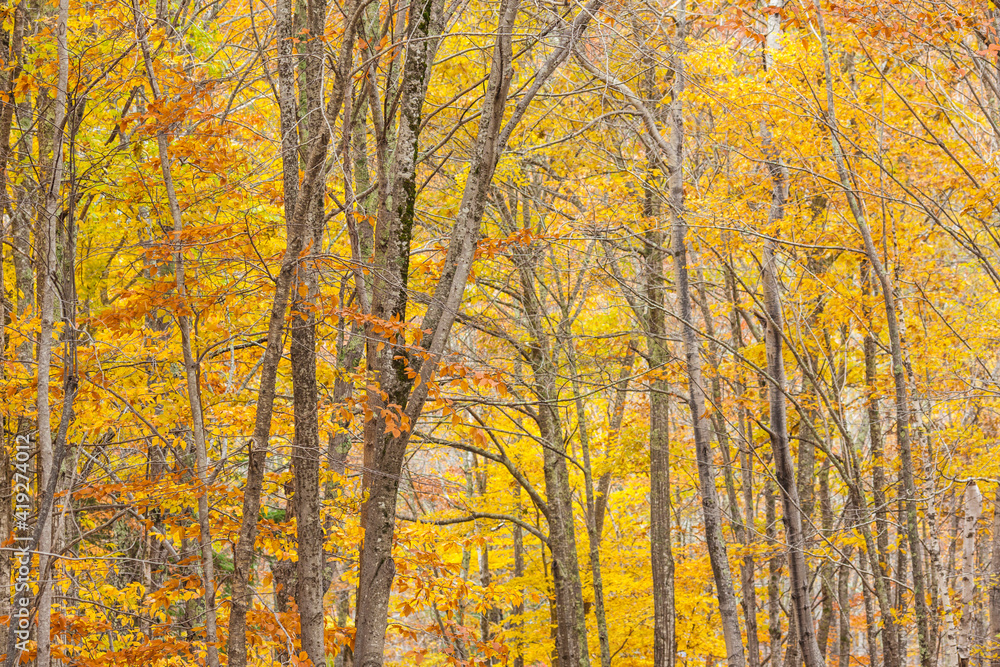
(593, 536)
(826, 571)
(878, 552)
(973, 510)
(898, 369)
(711, 510)
(664, 618)
(258, 445)
(784, 470)
(844, 615)
(745, 428)
(191, 366)
(46, 299)
(773, 579)
(994, 635)
(518, 610)
(570, 619)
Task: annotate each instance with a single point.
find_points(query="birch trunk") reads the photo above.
(973, 510)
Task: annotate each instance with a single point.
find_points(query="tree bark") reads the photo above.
(309, 585)
(973, 510)
(258, 445)
(46, 298)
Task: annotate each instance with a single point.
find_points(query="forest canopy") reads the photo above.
(500, 332)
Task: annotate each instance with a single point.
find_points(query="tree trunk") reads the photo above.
(46, 299)
(309, 586)
(784, 470)
(973, 510)
(191, 366)
(258, 445)
(711, 511)
(662, 557)
(994, 635)
(388, 361)
(898, 369)
(593, 536)
(774, 577)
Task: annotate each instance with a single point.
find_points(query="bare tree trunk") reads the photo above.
(518, 610)
(745, 429)
(844, 612)
(309, 586)
(826, 571)
(258, 445)
(792, 507)
(909, 499)
(878, 548)
(570, 628)
(712, 513)
(593, 536)
(662, 557)
(994, 634)
(773, 579)
(784, 470)
(973, 510)
(46, 298)
(939, 574)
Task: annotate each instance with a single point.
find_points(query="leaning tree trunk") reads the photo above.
(712, 512)
(909, 500)
(778, 428)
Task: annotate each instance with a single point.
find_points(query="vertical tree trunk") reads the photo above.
(844, 616)
(774, 578)
(662, 558)
(309, 586)
(973, 510)
(748, 567)
(826, 571)
(792, 514)
(880, 558)
(593, 536)
(258, 445)
(994, 635)
(46, 299)
(191, 366)
(518, 537)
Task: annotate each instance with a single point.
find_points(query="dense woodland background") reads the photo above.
(507, 332)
